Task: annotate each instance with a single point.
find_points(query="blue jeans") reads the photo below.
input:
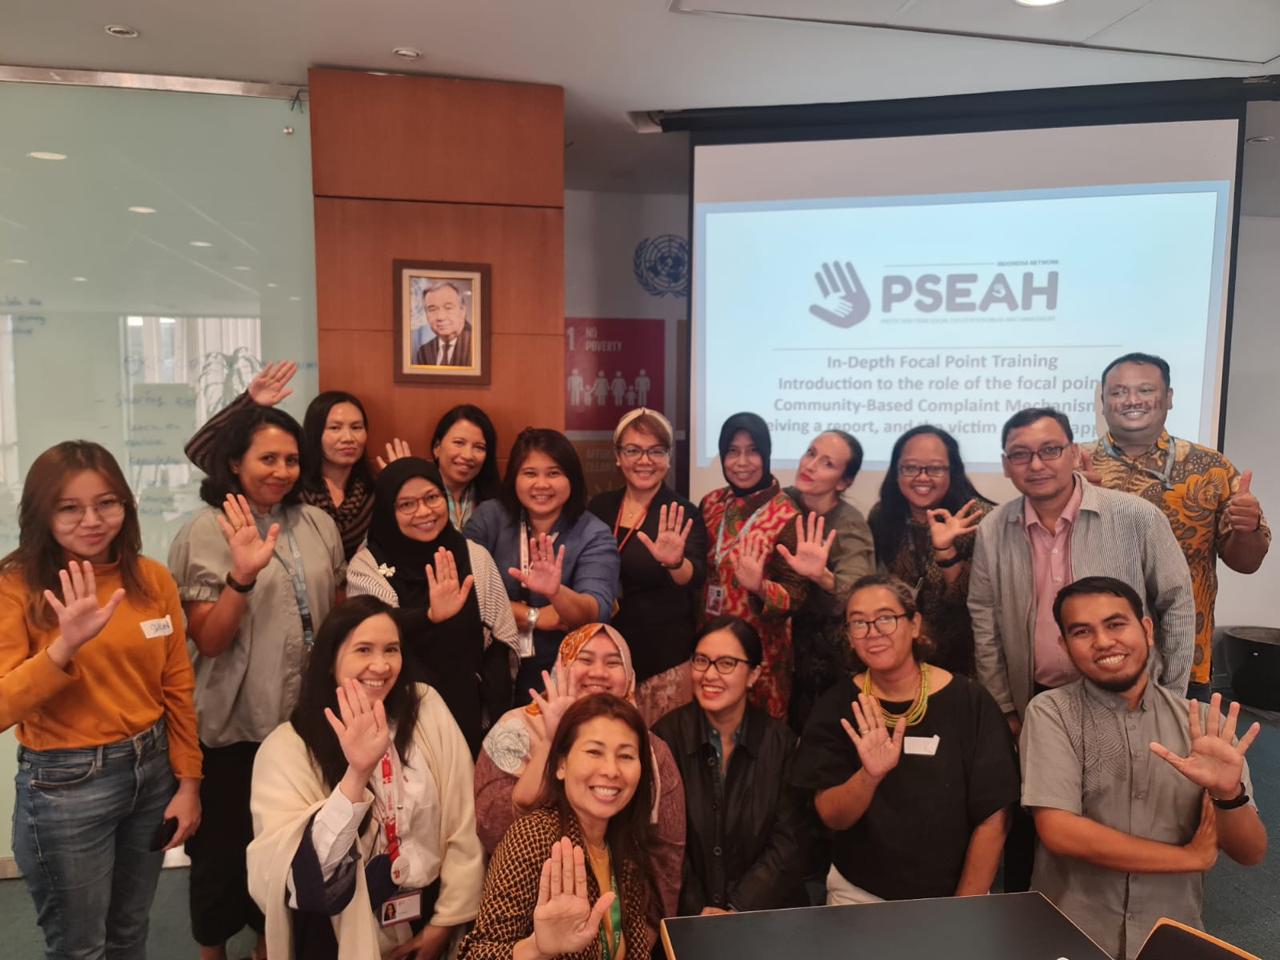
(82, 828)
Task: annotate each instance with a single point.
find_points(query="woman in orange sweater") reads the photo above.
(94, 672)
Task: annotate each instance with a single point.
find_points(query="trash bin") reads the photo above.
(1253, 657)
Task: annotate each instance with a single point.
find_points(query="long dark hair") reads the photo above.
(629, 832)
(487, 480)
(890, 520)
(556, 446)
(313, 424)
(233, 442)
(39, 556)
(319, 689)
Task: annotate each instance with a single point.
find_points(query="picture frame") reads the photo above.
(442, 322)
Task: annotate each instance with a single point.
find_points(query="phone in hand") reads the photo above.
(164, 833)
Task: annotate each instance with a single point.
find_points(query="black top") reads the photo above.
(748, 833)
(657, 616)
(913, 838)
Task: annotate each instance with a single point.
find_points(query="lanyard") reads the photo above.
(617, 524)
(609, 950)
(721, 547)
(1165, 476)
(297, 576)
(390, 804)
(460, 509)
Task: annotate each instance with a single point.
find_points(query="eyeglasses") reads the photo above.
(409, 505)
(724, 665)
(71, 515)
(655, 454)
(1022, 457)
(912, 470)
(885, 624)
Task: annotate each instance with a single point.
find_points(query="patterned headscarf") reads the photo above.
(572, 645)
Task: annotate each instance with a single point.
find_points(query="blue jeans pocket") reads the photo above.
(58, 776)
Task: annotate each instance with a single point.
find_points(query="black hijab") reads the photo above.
(754, 425)
(450, 653)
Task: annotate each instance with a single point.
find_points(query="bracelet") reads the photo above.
(675, 566)
(1238, 801)
(943, 564)
(239, 587)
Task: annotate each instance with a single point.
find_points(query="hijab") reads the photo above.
(758, 430)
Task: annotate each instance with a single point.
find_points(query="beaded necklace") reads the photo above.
(913, 714)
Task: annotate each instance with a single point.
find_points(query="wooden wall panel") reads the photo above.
(436, 138)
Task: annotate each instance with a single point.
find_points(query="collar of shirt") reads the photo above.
(712, 737)
(1162, 444)
(1115, 701)
(1069, 512)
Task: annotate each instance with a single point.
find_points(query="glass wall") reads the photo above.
(155, 249)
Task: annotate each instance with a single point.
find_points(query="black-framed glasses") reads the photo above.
(885, 624)
(71, 515)
(913, 470)
(409, 505)
(724, 665)
(655, 454)
(1021, 457)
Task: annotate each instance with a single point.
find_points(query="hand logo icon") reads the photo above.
(844, 301)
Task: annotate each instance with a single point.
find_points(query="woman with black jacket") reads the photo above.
(747, 837)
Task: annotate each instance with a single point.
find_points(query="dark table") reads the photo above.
(1011, 926)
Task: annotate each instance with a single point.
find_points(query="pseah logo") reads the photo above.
(844, 300)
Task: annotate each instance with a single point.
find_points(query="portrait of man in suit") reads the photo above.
(445, 305)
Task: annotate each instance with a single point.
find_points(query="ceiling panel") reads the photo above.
(1237, 29)
(1072, 22)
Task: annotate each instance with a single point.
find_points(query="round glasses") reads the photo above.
(68, 516)
(409, 505)
(885, 624)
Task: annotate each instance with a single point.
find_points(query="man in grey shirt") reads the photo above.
(1133, 789)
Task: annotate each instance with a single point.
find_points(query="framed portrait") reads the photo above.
(442, 322)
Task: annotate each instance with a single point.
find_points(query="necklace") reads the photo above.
(913, 714)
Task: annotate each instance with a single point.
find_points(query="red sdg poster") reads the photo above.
(611, 366)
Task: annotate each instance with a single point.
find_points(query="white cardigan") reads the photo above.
(287, 792)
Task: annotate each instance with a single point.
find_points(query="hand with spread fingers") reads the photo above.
(1215, 762)
(565, 921)
(80, 616)
(546, 567)
(673, 532)
(250, 551)
(945, 527)
(753, 554)
(271, 385)
(397, 449)
(362, 730)
(552, 703)
(878, 749)
(446, 595)
(813, 548)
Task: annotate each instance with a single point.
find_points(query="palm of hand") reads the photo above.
(364, 744)
(543, 577)
(878, 753)
(1215, 765)
(82, 619)
(559, 925)
(750, 571)
(248, 549)
(668, 548)
(445, 600)
(809, 560)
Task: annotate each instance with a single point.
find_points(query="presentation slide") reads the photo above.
(875, 312)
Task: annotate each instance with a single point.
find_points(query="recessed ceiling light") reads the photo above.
(121, 31)
(46, 155)
(1266, 139)
(241, 267)
(133, 321)
(16, 260)
(1038, 3)
(407, 53)
(79, 279)
(201, 243)
(142, 209)
(273, 285)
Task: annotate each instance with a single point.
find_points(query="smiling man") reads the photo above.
(1133, 789)
(1208, 502)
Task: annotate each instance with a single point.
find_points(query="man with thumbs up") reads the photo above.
(1208, 502)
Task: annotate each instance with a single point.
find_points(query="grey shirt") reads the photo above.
(1085, 752)
(249, 689)
(1115, 535)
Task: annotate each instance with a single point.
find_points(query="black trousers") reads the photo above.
(220, 903)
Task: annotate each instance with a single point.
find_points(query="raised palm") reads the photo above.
(546, 566)
(250, 551)
(271, 385)
(551, 704)
(361, 729)
(813, 549)
(673, 532)
(564, 921)
(1215, 762)
(878, 749)
(446, 594)
(751, 560)
(80, 616)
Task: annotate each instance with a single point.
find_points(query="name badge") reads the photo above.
(715, 599)
(921, 746)
(151, 629)
(402, 909)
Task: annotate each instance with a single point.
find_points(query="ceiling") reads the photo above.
(616, 57)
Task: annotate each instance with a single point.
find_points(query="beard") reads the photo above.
(1123, 684)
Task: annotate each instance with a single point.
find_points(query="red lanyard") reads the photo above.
(617, 524)
(389, 807)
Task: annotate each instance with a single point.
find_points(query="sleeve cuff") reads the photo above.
(199, 593)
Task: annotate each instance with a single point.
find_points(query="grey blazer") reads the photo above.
(1115, 535)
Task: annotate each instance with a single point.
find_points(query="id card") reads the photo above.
(402, 908)
(921, 746)
(715, 599)
(163, 627)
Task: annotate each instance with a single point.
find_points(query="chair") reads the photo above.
(1171, 940)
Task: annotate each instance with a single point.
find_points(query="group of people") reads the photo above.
(422, 708)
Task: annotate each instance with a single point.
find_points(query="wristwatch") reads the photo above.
(533, 617)
(1237, 801)
(237, 586)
